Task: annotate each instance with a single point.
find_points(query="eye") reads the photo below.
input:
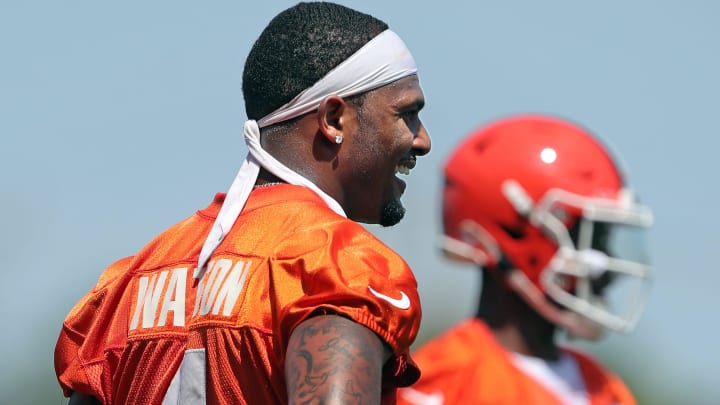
(411, 117)
(409, 114)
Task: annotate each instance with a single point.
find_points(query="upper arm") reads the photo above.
(333, 360)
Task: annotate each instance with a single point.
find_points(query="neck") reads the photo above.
(515, 325)
(297, 145)
(266, 178)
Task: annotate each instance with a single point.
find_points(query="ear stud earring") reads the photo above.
(338, 139)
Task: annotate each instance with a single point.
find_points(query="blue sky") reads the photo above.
(119, 119)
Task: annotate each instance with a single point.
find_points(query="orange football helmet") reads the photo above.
(543, 200)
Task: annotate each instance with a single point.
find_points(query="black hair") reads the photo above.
(297, 48)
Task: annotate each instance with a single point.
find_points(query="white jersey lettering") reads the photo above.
(231, 288)
(220, 287)
(161, 297)
(176, 290)
(217, 275)
(147, 299)
(154, 289)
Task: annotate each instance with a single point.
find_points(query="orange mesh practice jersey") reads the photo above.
(466, 365)
(154, 331)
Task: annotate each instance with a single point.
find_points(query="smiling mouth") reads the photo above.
(405, 165)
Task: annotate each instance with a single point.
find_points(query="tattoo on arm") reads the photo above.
(333, 360)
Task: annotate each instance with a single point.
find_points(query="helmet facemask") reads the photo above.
(605, 246)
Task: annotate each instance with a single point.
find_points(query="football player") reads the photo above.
(544, 210)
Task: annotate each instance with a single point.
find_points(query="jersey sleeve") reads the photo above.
(343, 269)
(79, 350)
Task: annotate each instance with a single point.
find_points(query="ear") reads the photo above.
(330, 117)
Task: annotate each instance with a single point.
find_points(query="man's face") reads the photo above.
(387, 137)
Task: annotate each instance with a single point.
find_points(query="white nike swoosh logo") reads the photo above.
(402, 303)
(421, 398)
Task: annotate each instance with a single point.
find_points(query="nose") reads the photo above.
(421, 142)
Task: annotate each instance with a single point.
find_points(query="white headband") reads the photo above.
(381, 61)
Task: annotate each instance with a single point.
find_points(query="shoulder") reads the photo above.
(300, 221)
(108, 278)
(114, 271)
(466, 344)
(465, 365)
